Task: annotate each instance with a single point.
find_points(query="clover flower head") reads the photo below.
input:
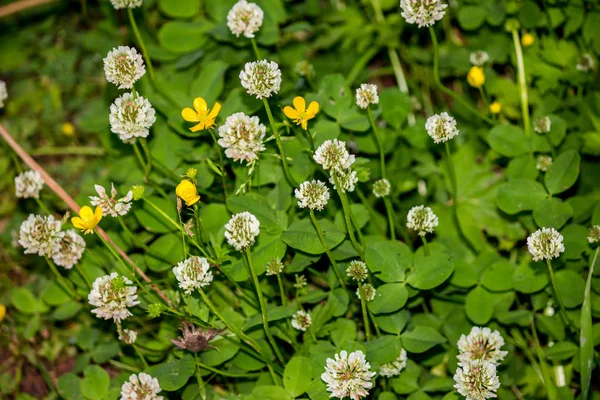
(542, 125)
(479, 58)
(300, 282)
(422, 12)
(312, 194)
(422, 220)
(543, 162)
(41, 235)
(549, 309)
(128, 336)
(194, 339)
(261, 78)
(585, 63)
(594, 234)
(242, 137)
(141, 387)
(29, 184)
(301, 320)
(131, 117)
(481, 344)
(395, 367)
(347, 180)
(274, 267)
(111, 205)
(138, 192)
(118, 4)
(112, 295)
(357, 270)
(193, 273)
(123, 66)
(348, 375)
(3, 93)
(545, 244)
(333, 155)
(369, 290)
(242, 230)
(245, 18)
(304, 68)
(477, 380)
(381, 188)
(70, 250)
(441, 127)
(366, 95)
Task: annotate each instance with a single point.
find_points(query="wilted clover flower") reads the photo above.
(481, 344)
(477, 380)
(304, 68)
(131, 117)
(301, 320)
(110, 205)
(333, 155)
(261, 78)
(241, 230)
(312, 194)
(545, 244)
(245, 18)
(594, 234)
(347, 180)
(422, 12)
(366, 95)
(369, 290)
(479, 58)
(357, 270)
(194, 339)
(193, 273)
(585, 63)
(155, 310)
(542, 125)
(112, 295)
(242, 137)
(543, 162)
(422, 220)
(138, 192)
(70, 249)
(394, 368)
(40, 235)
(274, 267)
(128, 336)
(123, 66)
(28, 184)
(348, 375)
(3, 93)
(118, 4)
(381, 188)
(141, 387)
(441, 127)
(300, 282)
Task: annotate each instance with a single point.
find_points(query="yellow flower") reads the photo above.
(68, 129)
(476, 77)
(202, 115)
(527, 40)
(495, 107)
(187, 191)
(87, 219)
(2, 311)
(300, 114)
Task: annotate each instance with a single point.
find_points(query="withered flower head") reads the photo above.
(194, 339)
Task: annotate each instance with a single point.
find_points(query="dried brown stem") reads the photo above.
(17, 6)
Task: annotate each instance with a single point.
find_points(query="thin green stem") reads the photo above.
(552, 151)
(183, 234)
(522, 83)
(484, 97)
(140, 42)
(378, 142)
(284, 162)
(425, 245)
(390, 215)
(61, 279)
(327, 251)
(452, 181)
(148, 157)
(550, 388)
(360, 64)
(228, 374)
(346, 212)
(374, 215)
(221, 162)
(374, 322)
(400, 78)
(255, 48)
(310, 139)
(139, 353)
(284, 299)
(379, 17)
(563, 311)
(83, 275)
(363, 305)
(42, 206)
(138, 155)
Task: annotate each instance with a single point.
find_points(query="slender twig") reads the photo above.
(17, 6)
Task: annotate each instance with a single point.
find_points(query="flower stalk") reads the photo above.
(327, 251)
(284, 162)
(138, 36)
(563, 311)
(522, 83)
(363, 305)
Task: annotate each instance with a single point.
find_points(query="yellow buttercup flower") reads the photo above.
(527, 40)
(495, 107)
(2, 311)
(187, 191)
(87, 219)
(476, 77)
(68, 129)
(201, 114)
(300, 114)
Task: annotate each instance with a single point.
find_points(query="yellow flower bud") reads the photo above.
(495, 107)
(191, 172)
(476, 77)
(186, 190)
(2, 311)
(68, 129)
(527, 40)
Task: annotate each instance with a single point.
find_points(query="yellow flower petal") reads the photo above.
(313, 109)
(209, 122)
(198, 127)
(304, 123)
(78, 223)
(2, 311)
(97, 215)
(86, 213)
(291, 113)
(299, 104)
(200, 106)
(189, 115)
(215, 111)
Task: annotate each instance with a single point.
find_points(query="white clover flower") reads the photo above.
(366, 95)
(477, 380)
(123, 66)
(70, 249)
(301, 320)
(369, 290)
(545, 244)
(241, 230)
(304, 68)
(193, 273)
(111, 205)
(357, 270)
(347, 180)
(128, 336)
(542, 125)
(245, 18)
(394, 368)
(300, 282)
(381, 188)
(348, 375)
(549, 309)
(113, 295)
(3, 93)
(481, 344)
(594, 234)
(312, 194)
(274, 267)
(543, 162)
(141, 387)
(28, 184)
(422, 220)
(118, 4)
(585, 63)
(422, 12)
(131, 117)
(479, 58)
(40, 235)
(242, 137)
(333, 155)
(441, 127)
(261, 78)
